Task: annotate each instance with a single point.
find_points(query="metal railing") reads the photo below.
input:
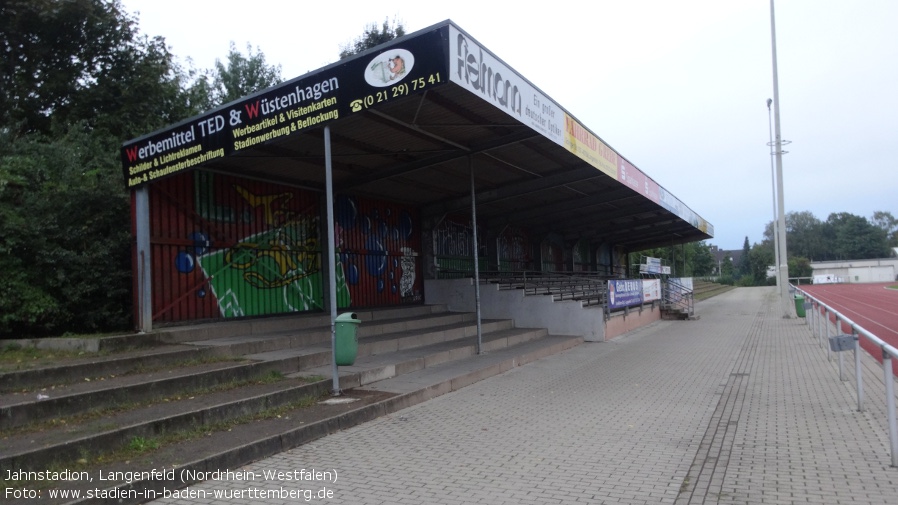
(678, 297)
(820, 325)
(585, 287)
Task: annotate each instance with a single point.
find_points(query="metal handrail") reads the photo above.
(680, 297)
(888, 352)
(562, 285)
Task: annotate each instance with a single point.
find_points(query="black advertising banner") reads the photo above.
(407, 67)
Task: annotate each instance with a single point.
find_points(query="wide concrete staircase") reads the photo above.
(706, 289)
(217, 396)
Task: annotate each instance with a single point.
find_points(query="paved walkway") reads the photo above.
(739, 407)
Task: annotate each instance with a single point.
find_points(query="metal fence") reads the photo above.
(829, 335)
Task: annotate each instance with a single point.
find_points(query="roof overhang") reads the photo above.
(410, 121)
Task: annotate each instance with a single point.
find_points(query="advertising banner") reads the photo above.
(634, 179)
(479, 71)
(408, 67)
(678, 208)
(681, 285)
(624, 293)
(482, 73)
(588, 147)
(651, 290)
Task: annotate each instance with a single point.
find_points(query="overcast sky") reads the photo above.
(678, 88)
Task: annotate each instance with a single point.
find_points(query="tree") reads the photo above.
(64, 235)
(51, 51)
(77, 80)
(759, 258)
(744, 267)
(727, 270)
(886, 221)
(703, 260)
(242, 75)
(803, 232)
(853, 237)
(83, 61)
(800, 267)
(373, 36)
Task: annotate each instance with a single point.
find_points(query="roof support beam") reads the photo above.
(406, 168)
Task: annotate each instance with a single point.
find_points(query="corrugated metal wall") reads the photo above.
(380, 244)
(515, 251)
(229, 247)
(453, 249)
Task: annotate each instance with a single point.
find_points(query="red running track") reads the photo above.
(872, 306)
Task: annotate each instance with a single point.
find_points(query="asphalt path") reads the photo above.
(872, 306)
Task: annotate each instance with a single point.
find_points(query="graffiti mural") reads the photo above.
(514, 250)
(581, 256)
(247, 247)
(380, 250)
(228, 247)
(552, 254)
(453, 248)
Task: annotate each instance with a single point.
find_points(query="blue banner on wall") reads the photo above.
(624, 293)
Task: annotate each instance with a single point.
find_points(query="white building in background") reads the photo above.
(856, 271)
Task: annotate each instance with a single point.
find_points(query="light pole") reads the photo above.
(776, 240)
(781, 213)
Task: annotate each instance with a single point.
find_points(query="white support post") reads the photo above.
(890, 404)
(858, 376)
(144, 260)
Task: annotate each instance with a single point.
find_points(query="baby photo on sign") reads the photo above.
(389, 67)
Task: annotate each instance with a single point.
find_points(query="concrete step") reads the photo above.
(385, 323)
(94, 367)
(450, 376)
(63, 443)
(406, 350)
(280, 325)
(376, 367)
(117, 391)
(101, 382)
(252, 441)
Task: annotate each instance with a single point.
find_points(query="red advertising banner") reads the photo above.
(633, 178)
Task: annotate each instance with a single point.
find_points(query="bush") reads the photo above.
(64, 236)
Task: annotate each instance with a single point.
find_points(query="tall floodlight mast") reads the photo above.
(781, 213)
(776, 239)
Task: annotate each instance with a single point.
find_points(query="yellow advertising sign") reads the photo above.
(588, 147)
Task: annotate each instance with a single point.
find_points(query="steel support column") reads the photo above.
(476, 259)
(144, 314)
(331, 257)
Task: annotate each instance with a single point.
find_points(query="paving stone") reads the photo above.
(739, 407)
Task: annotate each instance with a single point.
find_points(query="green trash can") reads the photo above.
(799, 306)
(346, 346)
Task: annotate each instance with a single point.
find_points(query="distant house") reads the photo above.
(721, 255)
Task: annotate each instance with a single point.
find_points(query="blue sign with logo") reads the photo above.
(624, 293)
